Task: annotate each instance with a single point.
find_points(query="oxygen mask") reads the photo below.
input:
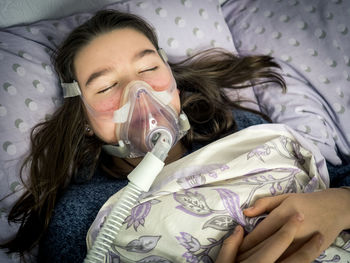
(144, 115)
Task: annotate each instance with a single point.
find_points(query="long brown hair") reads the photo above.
(60, 146)
(202, 80)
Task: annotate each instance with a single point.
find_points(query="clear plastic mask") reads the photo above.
(141, 116)
(145, 114)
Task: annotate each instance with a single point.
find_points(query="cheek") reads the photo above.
(109, 104)
(106, 102)
(105, 130)
(161, 81)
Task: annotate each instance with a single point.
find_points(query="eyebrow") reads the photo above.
(97, 74)
(105, 71)
(143, 53)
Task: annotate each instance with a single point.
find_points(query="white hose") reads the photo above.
(114, 222)
(141, 179)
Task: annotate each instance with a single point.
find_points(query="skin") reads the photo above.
(298, 229)
(325, 213)
(274, 246)
(127, 64)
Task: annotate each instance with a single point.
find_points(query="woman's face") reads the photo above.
(107, 64)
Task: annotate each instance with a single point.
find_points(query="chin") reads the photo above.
(108, 139)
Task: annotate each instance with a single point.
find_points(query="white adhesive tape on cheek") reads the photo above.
(121, 115)
(164, 96)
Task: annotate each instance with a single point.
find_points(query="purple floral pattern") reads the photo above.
(192, 203)
(232, 205)
(139, 213)
(191, 181)
(189, 242)
(115, 257)
(220, 222)
(143, 244)
(260, 152)
(195, 176)
(196, 252)
(209, 200)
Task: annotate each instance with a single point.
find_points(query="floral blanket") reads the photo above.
(196, 201)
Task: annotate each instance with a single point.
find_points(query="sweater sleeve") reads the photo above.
(339, 174)
(74, 212)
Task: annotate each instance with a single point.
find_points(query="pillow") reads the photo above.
(15, 12)
(311, 39)
(29, 88)
(25, 12)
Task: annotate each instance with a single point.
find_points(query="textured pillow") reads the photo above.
(15, 12)
(311, 39)
(29, 90)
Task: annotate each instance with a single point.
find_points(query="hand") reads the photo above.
(326, 212)
(230, 246)
(274, 246)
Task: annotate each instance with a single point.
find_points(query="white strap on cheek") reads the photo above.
(121, 115)
(164, 96)
(70, 89)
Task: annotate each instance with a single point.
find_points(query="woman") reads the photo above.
(114, 52)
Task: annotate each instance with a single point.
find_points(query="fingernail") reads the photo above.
(249, 208)
(237, 230)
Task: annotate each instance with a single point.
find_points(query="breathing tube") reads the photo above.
(151, 165)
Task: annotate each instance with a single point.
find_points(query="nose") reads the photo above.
(127, 77)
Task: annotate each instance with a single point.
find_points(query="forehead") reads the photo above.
(115, 46)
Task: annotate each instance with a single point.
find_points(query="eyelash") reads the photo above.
(150, 69)
(106, 89)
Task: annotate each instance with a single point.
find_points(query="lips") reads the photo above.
(141, 127)
(146, 114)
(146, 123)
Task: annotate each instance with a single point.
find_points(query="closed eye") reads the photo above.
(150, 69)
(107, 89)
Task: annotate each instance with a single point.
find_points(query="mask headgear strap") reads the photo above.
(163, 55)
(120, 150)
(70, 89)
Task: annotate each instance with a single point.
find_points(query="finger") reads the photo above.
(230, 246)
(308, 252)
(269, 225)
(264, 230)
(265, 204)
(274, 246)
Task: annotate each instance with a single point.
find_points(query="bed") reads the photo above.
(310, 40)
